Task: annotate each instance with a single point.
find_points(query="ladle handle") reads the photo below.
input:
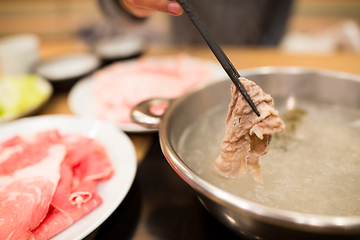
(148, 113)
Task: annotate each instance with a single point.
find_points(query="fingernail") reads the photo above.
(174, 8)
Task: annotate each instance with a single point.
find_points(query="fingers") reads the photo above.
(143, 8)
(175, 8)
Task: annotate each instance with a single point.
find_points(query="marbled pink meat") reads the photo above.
(25, 195)
(118, 88)
(51, 183)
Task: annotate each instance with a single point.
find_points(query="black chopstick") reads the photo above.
(218, 52)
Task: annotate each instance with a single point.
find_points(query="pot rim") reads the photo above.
(285, 218)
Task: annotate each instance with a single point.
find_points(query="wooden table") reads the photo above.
(242, 58)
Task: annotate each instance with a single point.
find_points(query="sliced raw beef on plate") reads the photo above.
(118, 88)
(63, 213)
(17, 152)
(85, 164)
(48, 182)
(10, 142)
(26, 193)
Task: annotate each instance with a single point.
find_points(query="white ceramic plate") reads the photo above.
(119, 148)
(119, 47)
(81, 99)
(68, 66)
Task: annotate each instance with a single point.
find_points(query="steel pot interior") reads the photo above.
(326, 85)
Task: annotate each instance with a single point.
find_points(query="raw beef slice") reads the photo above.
(47, 182)
(25, 195)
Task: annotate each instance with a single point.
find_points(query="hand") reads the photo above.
(144, 8)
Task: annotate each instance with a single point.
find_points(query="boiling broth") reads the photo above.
(312, 167)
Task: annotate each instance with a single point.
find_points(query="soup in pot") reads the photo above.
(312, 167)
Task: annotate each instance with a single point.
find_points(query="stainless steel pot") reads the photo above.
(248, 218)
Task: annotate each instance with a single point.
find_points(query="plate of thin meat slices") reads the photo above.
(111, 93)
(61, 176)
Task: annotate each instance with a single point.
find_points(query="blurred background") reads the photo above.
(63, 19)
(320, 34)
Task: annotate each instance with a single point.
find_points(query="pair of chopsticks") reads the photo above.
(218, 52)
